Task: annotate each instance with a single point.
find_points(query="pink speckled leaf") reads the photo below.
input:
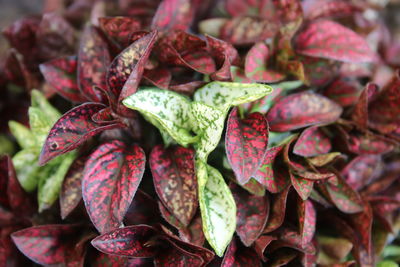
(258, 8)
(314, 9)
(132, 241)
(46, 244)
(174, 255)
(360, 112)
(300, 110)
(111, 177)
(307, 220)
(72, 129)
(303, 186)
(344, 91)
(246, 143)
(328, 39)
(143, 210)
(60, 73)
(93, 60)
(261, 244)
(312, 142)
(194, 232)
(252, 214)
(119, 29)
(238, 255)
(160, 77)
(175, 180)
(319, 71)
(257, 62)
(173, 15)
(278, 210)
(369, 143)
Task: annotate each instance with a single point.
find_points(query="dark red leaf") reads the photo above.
(46, 244)
(237, 255)
(369, 144)
(143, 210)
(292, 239)
(119, 29)
(173, 15)
(257, 62)
(71, 189)
(301, 185)
(132, 241)
(246, 143)
(93, 60)
(278, 210)
(252, 214)
(314, 9)
(319, 71)
(282, 257)
(160, 77)
(307, 220)
(312, 142)
(60, 73)
(194, 232)
(300, 110)
(344, 91)
(328, 39)
(72, 129)
(169, 217)
(173, 256)
(261, 244)
(126, 69)
(254, 187)
(360, 112)
(175, 180)
(111, 177)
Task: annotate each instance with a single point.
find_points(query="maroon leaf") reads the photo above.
(360, 112)
(254, 187)
(252, 214)
(173, 256)
(246, 143)
(307, 220)
(194, 232)
(312, 142)
(119, 29)
(72, 129)
(303, 187)
(46, 244)
(71, 189)
(300, 110)
(319, 71)
(169, 217)
(93, 59)
(60, 73)
(369, 144)
(129, 65)
(160, 77)
(132, 241)
(175, 180)
(111, 177)
(290, 238)
(344, 91)
(143, 210)
(173, 15)
(261, 244)
(328, 39)
(256, 65)
(277, 212)
(238, 255)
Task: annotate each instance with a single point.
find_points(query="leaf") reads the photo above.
(173, 255)
(173, 15)
(261, 244)
(119, 29)
(166, 110)
(307, 220)
(319, 71)
(254, 187)
(143, 210)
(175, 180)
(159, 77)
(60, 73)
(246, 143)
(132, 241)
(256, 65)
(238, 255)
(93, 60)
(312, 142)
(252, 214)
(111, 177)
(129, 63)
(39, 101)
(277, 211)
(71, 189)
(369, 144)
(44, 244)
(360, 112)
(300, 110)
(27, 168)
(329, 8)
(49, 186)
(22, 134)
(259, 8)
(218, 209)
(328, 39)
(71, 130)
(303, 186)
(344, 91)
(224, 94)
(194, 232)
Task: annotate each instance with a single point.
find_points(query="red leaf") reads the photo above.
(194, 232)
(246, 143)
(111, 177)
(360, 112)
(277, 212)
(344, 91)
(71, 190)
(160, 77)
(175, 180)
(252, 214)
(312, 142)
(261, 244)
(314, 9)
(133, 241)
(301, 110)
(319, 71)
(119, 29)
(93, 60)
(60, 73)
(307, 220)
(256, 65)
(328, 39)
(72, 129)
(143, 210)
(369, 144)
(303, 187)
(238, 255)
(173, 15)
(46, 244)
(126, 69)
(259, 8)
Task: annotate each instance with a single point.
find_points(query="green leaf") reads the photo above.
(27, 168)
(51, 178)
(208, 123)
(40, 124)
(166, 110)
(23, 135)
(223, 95)
(218, 208)
(38, 100)
(387, 264)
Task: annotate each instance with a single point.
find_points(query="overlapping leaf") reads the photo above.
(278, 210)
(307, 220)
(119, 29)
(238, 255)
(312, 142)
(111, 177)
(173, 15)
